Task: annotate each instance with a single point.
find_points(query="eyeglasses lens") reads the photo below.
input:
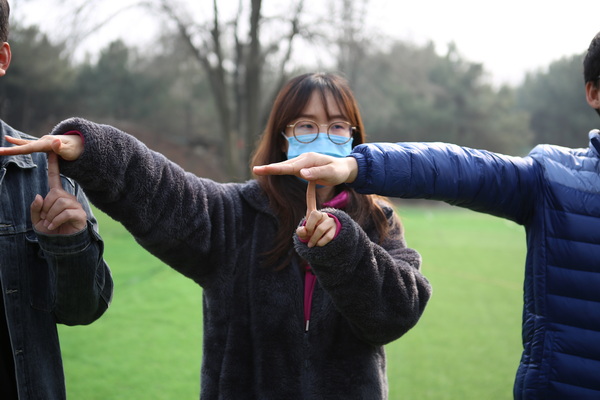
(338, 132)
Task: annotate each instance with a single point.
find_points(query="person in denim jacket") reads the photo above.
(50, 272)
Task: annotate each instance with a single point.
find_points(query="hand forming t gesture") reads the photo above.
(323, 169)
(59, 212)
(320, 227)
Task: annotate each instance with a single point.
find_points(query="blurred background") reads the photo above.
(196, 79)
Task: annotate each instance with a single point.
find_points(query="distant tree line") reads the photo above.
(406, 92)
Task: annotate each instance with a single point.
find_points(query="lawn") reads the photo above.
(466, 346)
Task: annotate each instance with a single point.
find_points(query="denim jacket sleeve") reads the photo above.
(83, 281)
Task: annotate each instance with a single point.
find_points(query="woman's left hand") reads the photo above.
(68, 147)
(320, 228)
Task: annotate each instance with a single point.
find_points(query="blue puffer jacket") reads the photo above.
(555, 193)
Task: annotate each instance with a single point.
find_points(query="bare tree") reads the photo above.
(352, 38)
(235, 49)
(234, 55)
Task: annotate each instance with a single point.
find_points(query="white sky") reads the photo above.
(510, 37)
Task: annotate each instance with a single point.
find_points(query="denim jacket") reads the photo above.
(46, 279)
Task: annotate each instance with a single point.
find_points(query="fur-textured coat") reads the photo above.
(255, 345)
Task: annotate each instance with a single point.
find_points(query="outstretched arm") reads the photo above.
(143, 190)
(480, 180)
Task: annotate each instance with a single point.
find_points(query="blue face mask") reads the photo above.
(322, 145)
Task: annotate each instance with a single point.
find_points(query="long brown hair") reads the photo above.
(287, 193)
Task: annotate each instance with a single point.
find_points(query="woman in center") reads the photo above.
(294, 307)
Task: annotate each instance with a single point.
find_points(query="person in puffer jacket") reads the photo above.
(287, 315)
(554, 193)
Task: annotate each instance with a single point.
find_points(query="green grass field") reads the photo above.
(466, 346)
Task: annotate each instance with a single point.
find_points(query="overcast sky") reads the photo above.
(510, 37)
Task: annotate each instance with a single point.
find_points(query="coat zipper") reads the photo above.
(309, 286)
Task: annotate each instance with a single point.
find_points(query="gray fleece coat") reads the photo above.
(255, 344)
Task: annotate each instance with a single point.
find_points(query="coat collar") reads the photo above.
(595, 142)
(338, 201)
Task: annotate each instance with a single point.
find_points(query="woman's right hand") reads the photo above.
(319, 228)
(68, 147)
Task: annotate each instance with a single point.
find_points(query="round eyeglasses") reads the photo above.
(306, 131)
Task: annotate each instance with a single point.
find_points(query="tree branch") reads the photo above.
(294, 31)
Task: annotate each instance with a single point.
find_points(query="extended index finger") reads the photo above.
(23, 146)
(311, 198)
(53, 172)
(287, 167)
